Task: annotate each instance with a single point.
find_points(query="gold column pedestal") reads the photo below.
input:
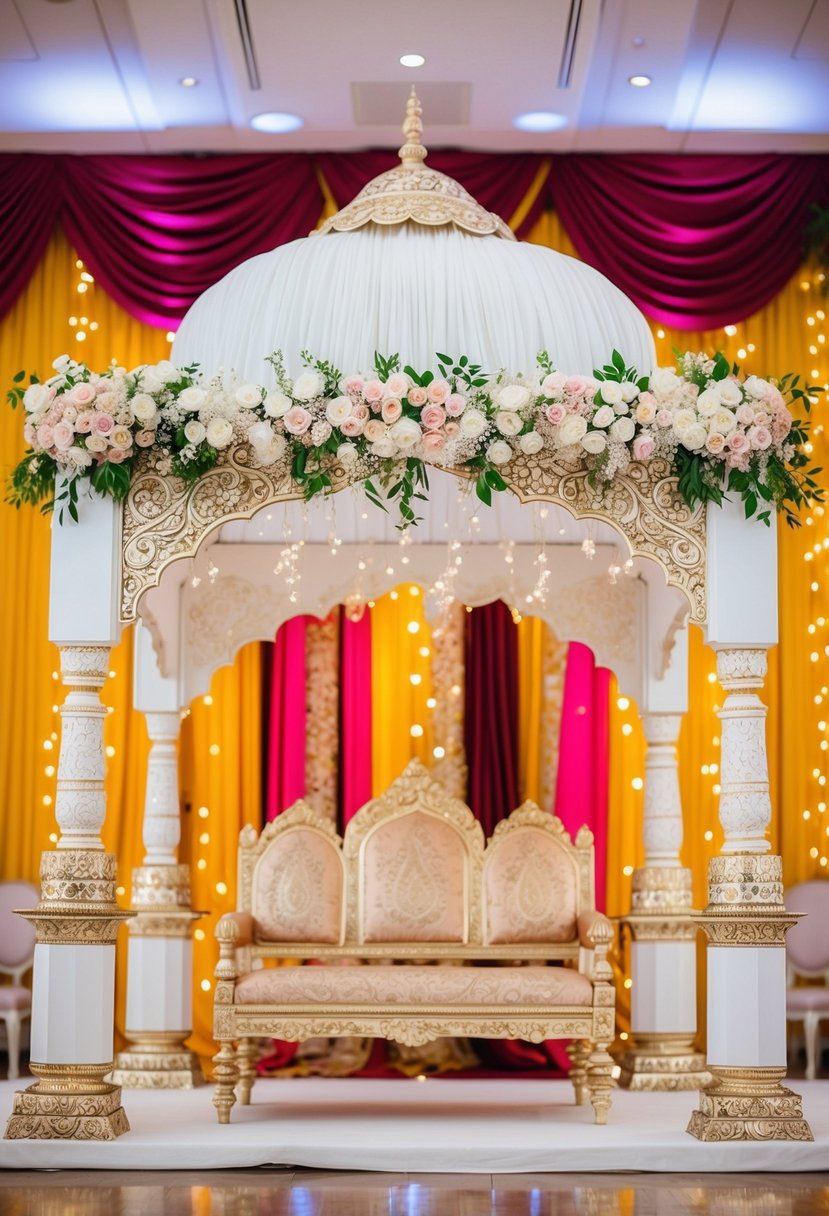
(662, 1060)
(746, 911)
(77, 908)
(158, 1059)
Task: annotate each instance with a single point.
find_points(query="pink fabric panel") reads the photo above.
(286, 742)
(298, 889)
(529, 890)
(355, 714)
(601, 768)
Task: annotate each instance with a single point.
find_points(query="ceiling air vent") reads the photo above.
(568, 54)
(246, 36)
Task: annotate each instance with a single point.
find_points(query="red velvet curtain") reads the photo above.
(490, 722)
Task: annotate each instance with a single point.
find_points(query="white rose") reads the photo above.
(473, 423)
(499, 452)
(260, 434)
(143, 407)
(219, 432)
(194, 431)
(730, 392)
(273, 451)
(338, 410)
(61, 364)
(308, 386)
(149, 381)
(277, 405)
(405, 433)
(664, 380)
(708, 402)
(623, 430)
(36, 397)
(604, 415)
(506, 421)
(512, 397)
(611, 392)
(723, 421)
(79, 458)
(347, 454)
(683, 419)
(167, 371)
(757, 388)
(693, 437)
(96, 443)
(629, 391)
(571, 430)
(531, 443)
(191, 398)
(594, 442)
(248, 396)
(384, 447)
(645, 412)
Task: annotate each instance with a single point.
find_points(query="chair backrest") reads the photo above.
(807, 942)
(17, 936)
(413, 858)
(535, 880)
(291, 878)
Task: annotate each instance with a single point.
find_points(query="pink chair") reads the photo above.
(17, 945)
(807, 954)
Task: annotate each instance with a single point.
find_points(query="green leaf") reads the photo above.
(618, 361)
(18, 377)
(412, 374)
(443, 358)
(482, 490)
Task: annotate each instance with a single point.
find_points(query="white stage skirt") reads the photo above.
(433, 1126)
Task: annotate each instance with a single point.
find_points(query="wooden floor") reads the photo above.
(268, 1192)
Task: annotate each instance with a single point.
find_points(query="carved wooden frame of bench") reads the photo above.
(243, 950)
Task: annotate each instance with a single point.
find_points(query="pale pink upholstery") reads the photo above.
(815, 997)
(298, 889)
(412, 985)
(413, 879)
(530, 890)
(807, 943)
(12, 997)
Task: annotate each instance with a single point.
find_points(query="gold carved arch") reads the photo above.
(166, 520)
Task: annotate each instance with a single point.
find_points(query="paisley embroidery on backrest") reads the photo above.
(530, 890)
(298, 889)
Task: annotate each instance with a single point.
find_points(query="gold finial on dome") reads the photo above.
(415, 193)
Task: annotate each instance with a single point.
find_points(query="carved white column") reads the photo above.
(746, 924)
(663, 951)
(162, 815)
(76, 921)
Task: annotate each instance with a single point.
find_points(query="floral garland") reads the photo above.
(719, 432)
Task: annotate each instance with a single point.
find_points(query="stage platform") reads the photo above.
(439, 1125)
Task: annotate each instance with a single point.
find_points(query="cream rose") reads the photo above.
(260, 434)
(715, 443)
(611, 392)
(531, 443)
(629, 391)
(37, 397)
(149, 381)
(219, 433)
(167, 371)
(646, 410)
(308, 386)
(723, 421)
(594, 442)
(708, 402)
(347, 454)
(438, 391)
(756, 388)
(121, 437)
(512, 397)
(62, 364)
(693, 437)
(473, 423)
(499, 452)
(83, 394)
(374, 430)
(682, 420)
(397, 385)
(297, 420)
(276, 405)
(417, 396)
(622, 430)
(248, 396)
(191, 398)
(508, 422)
(664, 380)
(195, 431)
(405, 433)
(337, 410)
(96, 443)
(143, 407)
(730, 392)
(572, 430)
(553, 385)
(603, 416)
(384, 447)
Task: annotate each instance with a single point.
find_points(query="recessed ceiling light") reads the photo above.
(639, 82)
(412, 61)
(188, 82)
(540, 120)
(274, 122)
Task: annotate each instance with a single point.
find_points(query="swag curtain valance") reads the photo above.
(695, 241)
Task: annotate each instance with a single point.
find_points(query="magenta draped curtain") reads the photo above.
(695, 241)
(355, 714)
(285, 742)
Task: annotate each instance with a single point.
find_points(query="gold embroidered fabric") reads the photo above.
(530, 890)
(298, 889)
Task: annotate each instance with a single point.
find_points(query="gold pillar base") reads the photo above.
(70, 1102)
(157, 1061)
(748, 1104)
(663, 1062)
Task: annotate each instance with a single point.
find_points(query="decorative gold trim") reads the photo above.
(748, 1104)
(661, 890)
(76, 876)
(160, 887)
(99, 928)
(663, 1063)
(755, 928)
(662, 927)
(413, 193)
(157, 1060)
(68, 1102)
(745, 880)
(160, 923)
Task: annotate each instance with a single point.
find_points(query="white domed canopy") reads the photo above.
(412, 266)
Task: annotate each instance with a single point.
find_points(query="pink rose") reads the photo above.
(433, 441)
(433, 417)
(70, 414)
(374, 430)
(715, 443)
(738, 442)
(745, 415)
(83, 423)
(102, 424)
(575, 385)
(352, 385)
(82, 394)
(416, 395)
(398, 385)
(29, 433)
(45, 435)
(781, 424)
(145, 439)
(737, 460)
(451, 430)
(759, 437)
(664, 418)
(360, 412)
(555, 413)
(64, 436)
(297, 420)
(391, 410)
(353, 426)
(103, 385)
(373, 390)
(762, 418)
(438, 391)
(553, 384)
(455, 404)
(643, 447)
(118, 455)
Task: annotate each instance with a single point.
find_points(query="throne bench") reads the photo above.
(410, 895)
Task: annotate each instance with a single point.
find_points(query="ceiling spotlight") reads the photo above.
(639, 82)
(188, 82)
(412, 61)
(276, 123)
(540, 120)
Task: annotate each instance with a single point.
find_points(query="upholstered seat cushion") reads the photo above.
(13, 997)
(413, 985)
(807, 1000)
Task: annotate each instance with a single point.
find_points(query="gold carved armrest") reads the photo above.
(595, 937)
(234, 929)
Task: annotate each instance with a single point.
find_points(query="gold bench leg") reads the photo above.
(247, 1053)
(225, 1074)
(600, 1081)
(579, 1051)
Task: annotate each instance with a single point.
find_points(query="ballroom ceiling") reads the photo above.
(106, 75)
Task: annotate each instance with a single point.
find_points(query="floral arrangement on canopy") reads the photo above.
(719, 432)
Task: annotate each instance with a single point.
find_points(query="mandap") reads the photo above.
(277, 480)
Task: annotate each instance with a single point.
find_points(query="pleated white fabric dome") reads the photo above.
(415, 267)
